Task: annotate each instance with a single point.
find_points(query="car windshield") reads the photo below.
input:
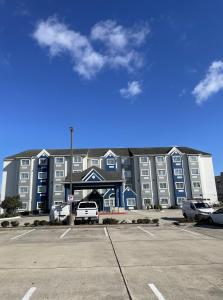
(87, 205)
(201, 205)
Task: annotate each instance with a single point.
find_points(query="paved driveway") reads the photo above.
(114, 262)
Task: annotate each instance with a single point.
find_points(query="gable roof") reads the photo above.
(97, 152)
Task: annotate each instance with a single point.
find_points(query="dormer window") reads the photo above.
(176, 159)
(110, 161)
(43, 161)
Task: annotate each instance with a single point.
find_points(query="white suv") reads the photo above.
(196, 209)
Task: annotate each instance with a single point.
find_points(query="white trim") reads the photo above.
(162, 188)
(129, 189)
(147, 159)
(58, 184)
(195, 169)
(161, 170)
(95, 165)
(43, 158)
(145, 170)
(59, 171)
(26, 159)
(109, 153)
(109, 164)
(178, 169)
(41, 186)
(43, 152)
(42, 173)
(184, 199)
(20, 176)
(146, 183)
(177, 156)
(23, 187)
(174, 150)
(59, 163)
(160, 162)
(193, 156)
(77, 162)
(196, 187)
(31, 183)
(86, 176)
(182, 188)
(127, 201)
(164, 198)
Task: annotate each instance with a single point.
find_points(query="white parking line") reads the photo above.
(106, 232)
(63, 234)
(18, 236)
(156, 291)
(29, 293)
(195, 233)
(145, 230)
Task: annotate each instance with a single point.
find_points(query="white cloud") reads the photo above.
(211, 84)
(117, 47)
(133, 89)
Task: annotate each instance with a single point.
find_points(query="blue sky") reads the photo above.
(123, 73)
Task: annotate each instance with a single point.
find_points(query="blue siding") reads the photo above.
(94, 176)
(43, 197)
(178, 178)
(110, 167)
(128, 193)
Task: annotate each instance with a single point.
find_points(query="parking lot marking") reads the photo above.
(106, 232)
(63, 234)
(156, 291)
(29, 293)
(195, 233)
(18, 236)
(145, 231)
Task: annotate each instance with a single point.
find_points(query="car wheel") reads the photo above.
(185, 216)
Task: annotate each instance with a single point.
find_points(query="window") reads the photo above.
(161, 172)
(94, 162)
(125, 161)
(41, 189)
(110, 161)
(144, 159)
(146, 201)
(163, 185)
(160, 159)
(196, 184)
(127, 174)
(43, 161)
(87, 205)
(24, 206)
(195, 171)
(59, 173)
(180, 200)
(25, 162)
(179, 185)
(131, 201)
(57, 202)
(145, 186)
(59, 160)
(178, 172)
(42, 175)
(109, 202)
(58, 188)
(77, 159)
(176, 159)
(40, 205)
(193, 158)
(23, 189)
(144, 172)
(164, 201)
(24, 175)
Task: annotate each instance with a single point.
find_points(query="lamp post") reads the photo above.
(71, 171)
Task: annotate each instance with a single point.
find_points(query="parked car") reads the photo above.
(196, 209)
(87, 211)
(59, 212)
(216, 217)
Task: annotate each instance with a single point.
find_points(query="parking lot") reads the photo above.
(113, 262)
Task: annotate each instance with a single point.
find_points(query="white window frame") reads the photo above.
(23, 160)
(183, 199)
(125, 160)
(58, 191)
(41, 186)
(196, 187)
(162, 188)
(109, 202)
(59, 157)
(145, 189)
(161, 199)
(77, 159)
(24, 178)
(144, 157)
(43, 158)
(129, 200)
(162, 161)
(181, 188)
(39, 204)
(175, 157)
(191, 170)
(142, 170)
(193, 158)
(161, 170)
(95, 164)
(127, 173)
(109, 163)
(174, 171)
(143, 201)
(58, 203)
(39, 177)
(59, 171)
(23, 192)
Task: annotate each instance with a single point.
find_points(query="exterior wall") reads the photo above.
(163, 193)
(146, 194)
(196, 192)
(219, 186)
(207, 178)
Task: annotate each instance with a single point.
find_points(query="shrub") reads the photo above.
(36, 222)
(155, 221)
(26, 224)
(146, 221)
(5, 224)
(133, 221)
(35, 212)
(139, 221)
(11, 204)
(15, 223)
(43, 222)
(25, 213)
(109, 221)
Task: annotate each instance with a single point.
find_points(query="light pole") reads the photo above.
(71, 171)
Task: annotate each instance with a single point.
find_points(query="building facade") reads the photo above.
(116, 178)
(219, 186)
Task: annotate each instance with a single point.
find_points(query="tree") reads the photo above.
(11, 204)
